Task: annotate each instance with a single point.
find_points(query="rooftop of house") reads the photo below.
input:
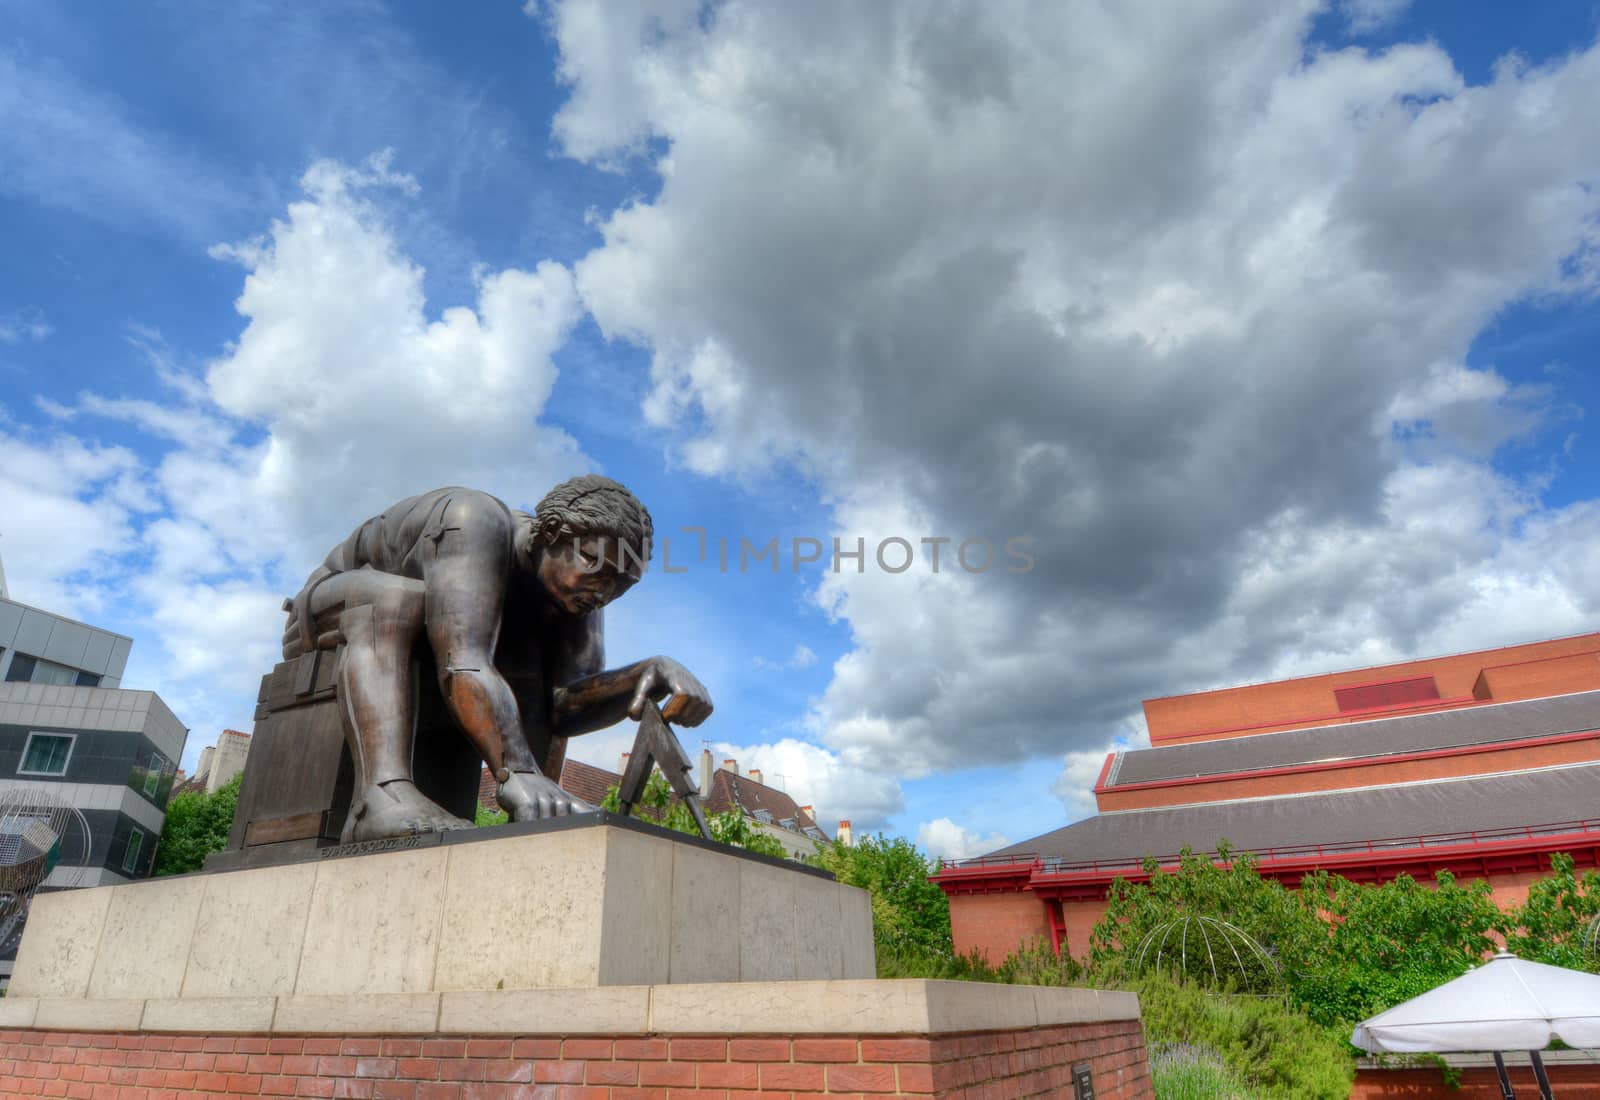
(728, 790)
(759, 801)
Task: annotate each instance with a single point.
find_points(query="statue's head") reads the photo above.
(593, 540)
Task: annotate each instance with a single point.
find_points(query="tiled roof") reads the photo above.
(728, 791)
(587, 781)
(584, 780)
(757, 800)
(1413, 733)
(1512, 800)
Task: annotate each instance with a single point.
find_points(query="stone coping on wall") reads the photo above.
(864, 1007)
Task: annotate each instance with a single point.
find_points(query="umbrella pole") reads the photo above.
(1505, 1081)
(1539, 1074)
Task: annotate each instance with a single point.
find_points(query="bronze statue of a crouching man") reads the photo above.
(510, 605)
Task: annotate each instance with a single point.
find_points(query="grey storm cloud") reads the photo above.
(1149, 284)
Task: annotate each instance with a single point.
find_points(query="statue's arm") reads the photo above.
(588, 699)
(464, 577)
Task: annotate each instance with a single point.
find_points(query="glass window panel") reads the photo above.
(46, 754)
(48, 672)
(130, 856)
(21, 670)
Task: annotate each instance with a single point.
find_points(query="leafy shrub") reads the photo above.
(1182, 1071)
(1262, 1041)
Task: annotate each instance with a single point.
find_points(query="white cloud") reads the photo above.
(838, 785)
(62, 521)
(802, 657)
(341, 395)
(944, 839)
(1149, 285)
(1368, 16)
(360, 390)
(27, 324)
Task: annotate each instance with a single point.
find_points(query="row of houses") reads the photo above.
(724, 788)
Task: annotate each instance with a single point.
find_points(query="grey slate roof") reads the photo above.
(1511, 800)
(1412, 733)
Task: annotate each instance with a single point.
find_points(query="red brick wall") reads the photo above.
(1004, 1065)
(1286, 704)
(995, 924)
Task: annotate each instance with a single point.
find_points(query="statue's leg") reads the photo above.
(378, 617)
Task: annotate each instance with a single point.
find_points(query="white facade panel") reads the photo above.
(67, 643)
(33, 634)
(10, 620)
(97, 654)
(119, 658)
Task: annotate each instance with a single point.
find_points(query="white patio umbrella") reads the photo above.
(1506, 1004)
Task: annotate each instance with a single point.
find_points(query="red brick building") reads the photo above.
(1481, 763)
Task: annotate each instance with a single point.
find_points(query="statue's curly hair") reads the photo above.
(594, 505)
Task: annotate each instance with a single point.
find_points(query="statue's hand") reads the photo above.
(527, 796)
(662, 676)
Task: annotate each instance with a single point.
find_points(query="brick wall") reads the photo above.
(1003, 1065)
(1570, 1082)
(995, 924)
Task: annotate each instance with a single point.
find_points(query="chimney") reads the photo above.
(731, 765)
(844, 835)
(755, 773)
(809, 812)
(622, 764)
(705, 773)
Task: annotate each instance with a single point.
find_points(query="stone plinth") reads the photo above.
(586, 902)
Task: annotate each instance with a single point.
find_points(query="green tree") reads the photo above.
(910, 915)
(197, 824)
(1391, 942)
(657, 805)
(1551, 925)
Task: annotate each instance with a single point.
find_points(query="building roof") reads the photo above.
(587, 781)
(1371, 739)
(728, 791)
(766, 804)
(577, 778)
(1525, 801)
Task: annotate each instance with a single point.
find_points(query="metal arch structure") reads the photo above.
(40, 834)
(1591, 936)
(1221, 941)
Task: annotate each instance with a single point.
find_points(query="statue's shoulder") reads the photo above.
(454, 497)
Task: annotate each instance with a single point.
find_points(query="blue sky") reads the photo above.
(1269, 326)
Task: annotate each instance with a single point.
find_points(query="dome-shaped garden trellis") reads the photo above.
(1205, 949)
(41, 837)
(1591, 938)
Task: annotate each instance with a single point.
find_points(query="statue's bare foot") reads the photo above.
(397, 808)
(528, 796)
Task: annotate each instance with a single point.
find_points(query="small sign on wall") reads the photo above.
(1082, 1082)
